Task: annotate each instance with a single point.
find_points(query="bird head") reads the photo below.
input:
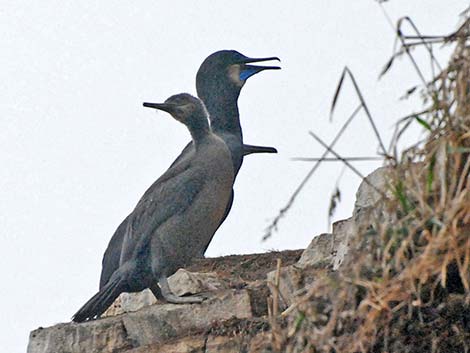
(226, 71)
(183, 107)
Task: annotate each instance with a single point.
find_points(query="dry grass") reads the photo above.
(406, 287)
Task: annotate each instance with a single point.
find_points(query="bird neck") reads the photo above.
(199, 129)
(224, 116)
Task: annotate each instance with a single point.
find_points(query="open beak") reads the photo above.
(249, 70)
(257, 60)
(166, 107)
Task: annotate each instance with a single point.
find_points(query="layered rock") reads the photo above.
(234, 317)
(136, 322)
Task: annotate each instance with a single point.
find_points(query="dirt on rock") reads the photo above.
(247, 268)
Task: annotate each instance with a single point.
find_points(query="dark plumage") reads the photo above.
(177, 217)
(219, 81)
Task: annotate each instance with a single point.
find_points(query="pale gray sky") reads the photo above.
(78, 148)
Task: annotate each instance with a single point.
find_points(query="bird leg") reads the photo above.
(157, 292)
(170, 297)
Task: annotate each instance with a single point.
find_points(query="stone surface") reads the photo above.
(324, 251)
(190, 344)
(291, 284)
(319, 252)
(327, 249)
(106, 335)
(367, 194)
(343, 231)
(369, 207)
(181, 283)
(224, 344)
(129, 302)
(259, 343)
(155, 324)
(184, 282)
(259, 291)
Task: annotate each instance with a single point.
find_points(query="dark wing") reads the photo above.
(112, 254)
(186, 152)
(172, 194)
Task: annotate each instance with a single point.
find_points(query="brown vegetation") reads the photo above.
(407, 285)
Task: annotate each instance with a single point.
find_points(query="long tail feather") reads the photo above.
(249, 149)
(100, 301)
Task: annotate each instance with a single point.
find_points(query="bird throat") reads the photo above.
(224, 117)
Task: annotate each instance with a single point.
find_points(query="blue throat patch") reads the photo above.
(247, 73)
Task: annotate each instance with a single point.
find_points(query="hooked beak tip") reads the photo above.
(255, 60)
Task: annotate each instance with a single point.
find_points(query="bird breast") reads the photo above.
(217, 167)
(187, 234)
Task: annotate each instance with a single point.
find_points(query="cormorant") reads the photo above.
(219, 81)
(183, 211)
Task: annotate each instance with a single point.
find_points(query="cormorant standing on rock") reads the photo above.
(219, 81)
(186, 206)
